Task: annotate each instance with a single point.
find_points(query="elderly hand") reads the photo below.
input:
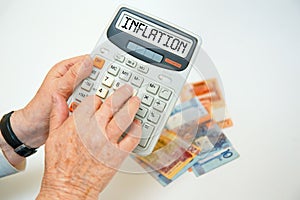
(31, 124)
(84, 150)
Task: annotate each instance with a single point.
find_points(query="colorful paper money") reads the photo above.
(193, 138)
(210, 95)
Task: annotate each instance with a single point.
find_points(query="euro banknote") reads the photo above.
(216, 150)
(174, 149)
(193, 139)
(210, 95)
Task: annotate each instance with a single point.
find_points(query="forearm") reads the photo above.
(24, 130)
(13, 158)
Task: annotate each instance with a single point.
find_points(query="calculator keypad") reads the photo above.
(154, 97)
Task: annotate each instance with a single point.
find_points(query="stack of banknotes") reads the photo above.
(193, 139)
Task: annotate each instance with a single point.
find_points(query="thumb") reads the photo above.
(75, 74)
(59, 112)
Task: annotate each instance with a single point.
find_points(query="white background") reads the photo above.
(254, 44)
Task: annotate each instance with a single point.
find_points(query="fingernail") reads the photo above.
(136, 99)
(129, 88)
(87, 62)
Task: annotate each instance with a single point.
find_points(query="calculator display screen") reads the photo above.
(154, 34)
(151, 40)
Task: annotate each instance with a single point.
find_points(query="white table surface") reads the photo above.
(256, 48)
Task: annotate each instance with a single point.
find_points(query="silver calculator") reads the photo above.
(154, 57)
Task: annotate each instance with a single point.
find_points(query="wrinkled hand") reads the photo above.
(31, 124)
(84, 150)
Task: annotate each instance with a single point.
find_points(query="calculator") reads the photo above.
(153, 56)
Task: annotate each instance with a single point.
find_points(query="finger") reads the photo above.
(59, 112)
(132, 138)
(89, 106)
(62, 67)
(122, 119)
(114, 102)
(75, 74)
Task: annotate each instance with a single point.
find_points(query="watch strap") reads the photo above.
(11, 138)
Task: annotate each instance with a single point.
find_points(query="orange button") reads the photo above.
(73, 106)
(98, 62)
(172, 62)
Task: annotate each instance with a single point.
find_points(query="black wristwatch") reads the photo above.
(11, 138)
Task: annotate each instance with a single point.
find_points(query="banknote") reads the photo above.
(186, 112)
(174, 149)
(211, 97)
(215, 151)
(214, 144)
(154, 173)
(193, 138)
(206, 140)
(212, 162)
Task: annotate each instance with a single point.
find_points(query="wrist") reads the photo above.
(13, 158)
(28, 129)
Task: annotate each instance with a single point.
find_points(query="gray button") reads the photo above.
(137, 80)
(125, 75)
(147, 130)
(130, 63)
(153, 117)
(113, 69)
(152, 88)
(159, 105)
(87, 85)
(147, 100)
(94, 74)
(165, 94)
(143, 69)
(81, 95)
(119, 58)
(142, 112)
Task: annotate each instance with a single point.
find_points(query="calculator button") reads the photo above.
(125, 75)
(153, 88)
(87, 85)
(117, 85)
(94, 74)
(159, 105)
(73, 106)
(142, 112)
(130, 63)
(81, 95)
(108, 80)
(147, 130)
(137, 80)
(113, 69)
(153, 117)
(102, 92)
(143, 142)
(165, 94)
(98, 62)
(119, 58)
(143, 69)
(147, 100)
(104, 51)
